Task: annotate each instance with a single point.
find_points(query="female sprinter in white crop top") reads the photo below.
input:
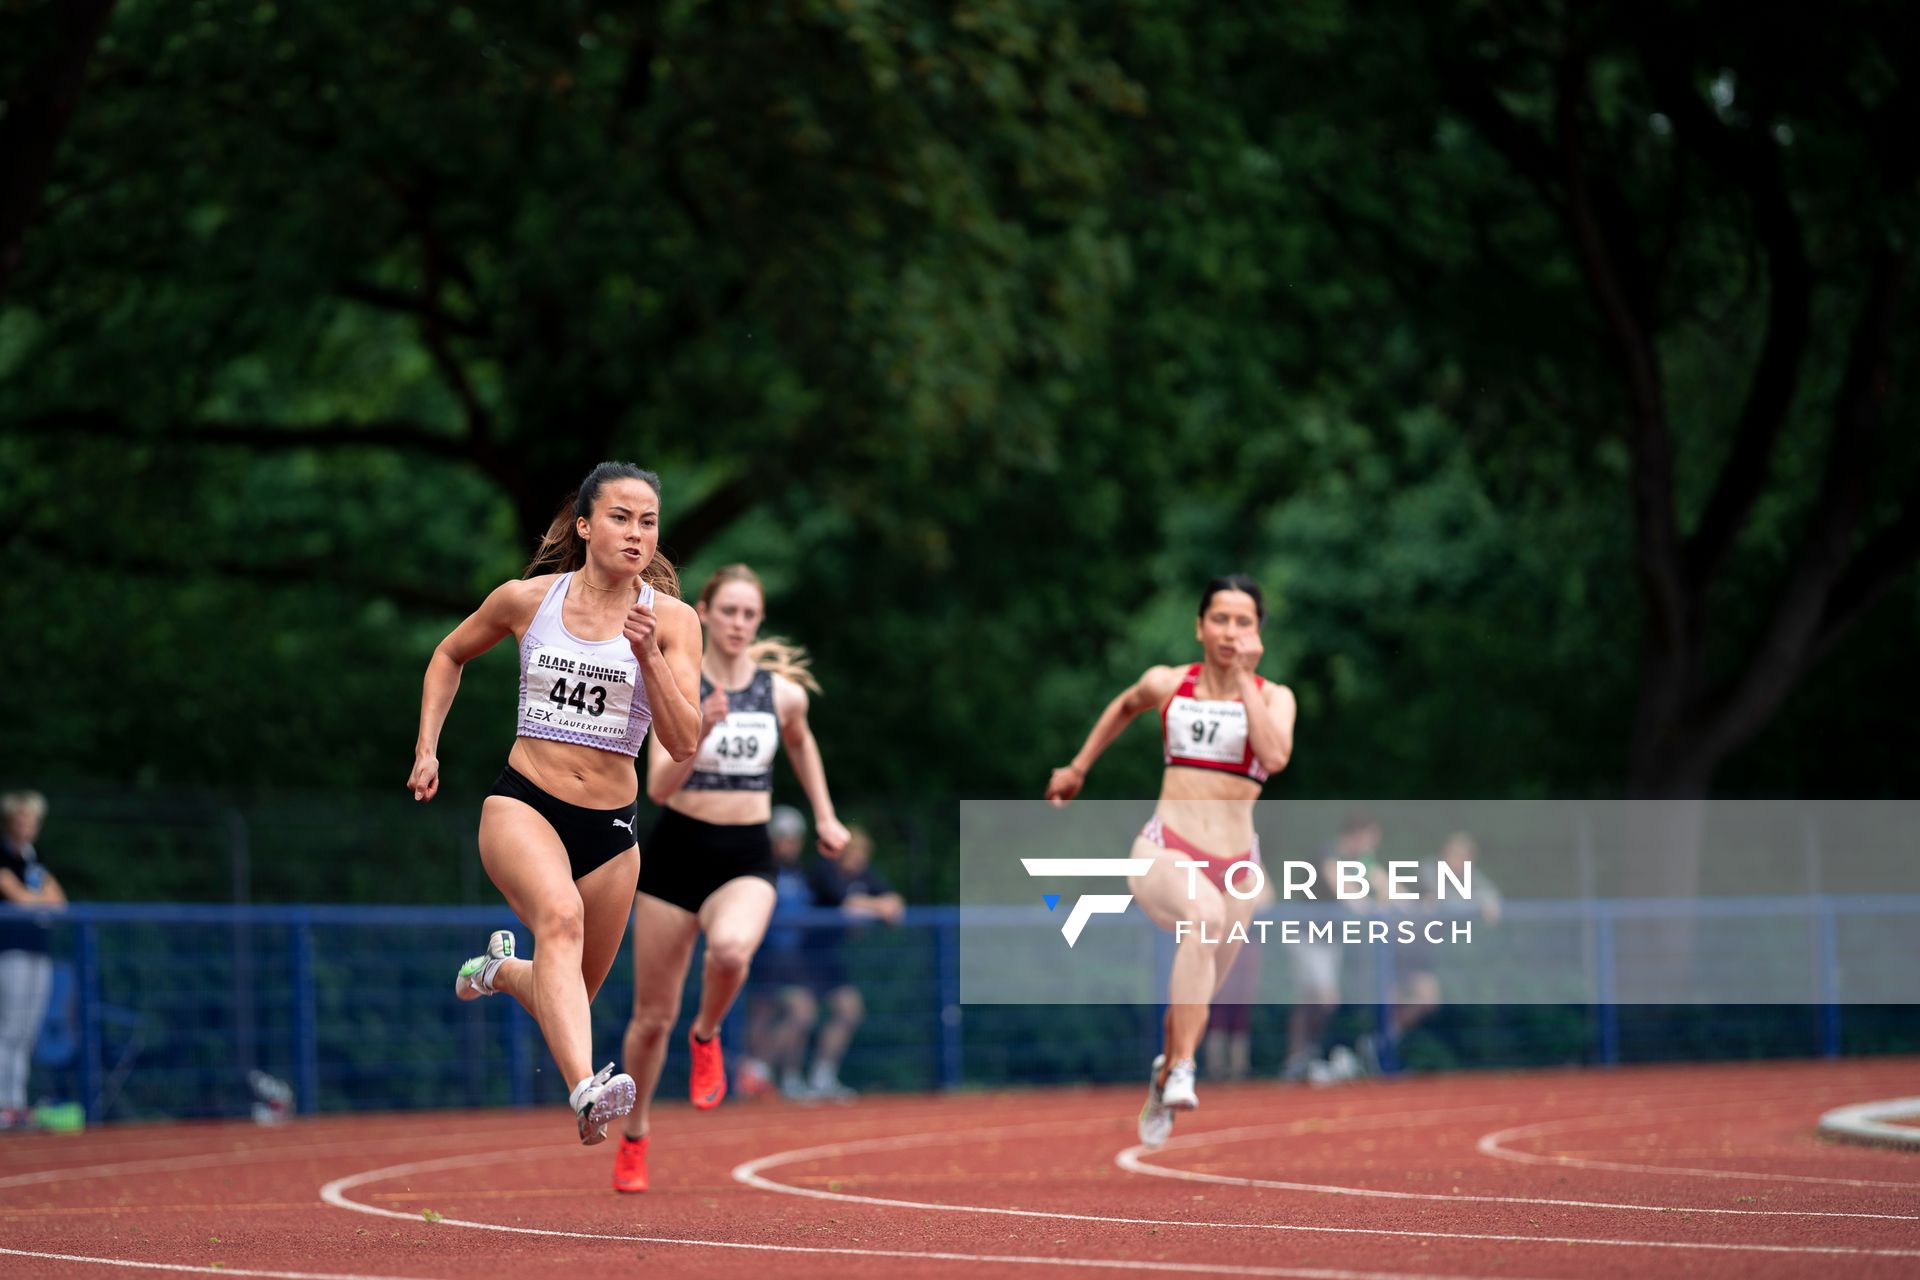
(606, 649)
(1224, 731)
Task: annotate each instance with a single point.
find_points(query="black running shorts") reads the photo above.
(593, 837)
(685, 859)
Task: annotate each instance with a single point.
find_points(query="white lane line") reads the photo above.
(750, 1174)
(1883, 1123)
(198, 1270)
(1494, 1145)
(334, 1193)
(1134, 1160)
(295, 1150)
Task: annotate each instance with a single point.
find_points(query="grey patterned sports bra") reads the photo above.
(738, 754)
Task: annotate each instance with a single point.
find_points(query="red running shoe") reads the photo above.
(630, 1165)
(708, 1085)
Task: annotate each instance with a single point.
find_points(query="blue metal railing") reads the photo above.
(166, 1007)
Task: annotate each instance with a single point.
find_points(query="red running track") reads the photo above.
(1671, 1171)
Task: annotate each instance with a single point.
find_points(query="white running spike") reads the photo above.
(475, 978)
(1178, 1093)
(603, 1099)
(1156, 1122)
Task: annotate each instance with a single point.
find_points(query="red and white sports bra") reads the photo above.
(1208, 733)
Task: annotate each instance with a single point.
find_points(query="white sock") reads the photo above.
(579, 1094)
(486, 975)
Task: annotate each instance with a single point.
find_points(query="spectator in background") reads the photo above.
(1229, 1043)
(801, 967)
(26, 970)
(1416, 986)
(783, 1007)
(1316, 965)
(861, 894)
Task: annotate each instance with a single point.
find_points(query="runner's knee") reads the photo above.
(561, 924)
(654, 1017)
(847, 1004)
(730, 954)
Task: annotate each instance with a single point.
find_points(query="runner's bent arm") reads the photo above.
(1270, 713)
(665, 775)
(1143, 694)
(790, 701)
(666, 642)
(485, 627)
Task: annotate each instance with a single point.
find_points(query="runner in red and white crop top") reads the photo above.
(1224, 731)
(1210, 733)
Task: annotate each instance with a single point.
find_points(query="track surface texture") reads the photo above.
(1642, 1172)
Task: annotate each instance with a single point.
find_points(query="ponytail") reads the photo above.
(662, 576)
(561, 548)
(784, 658)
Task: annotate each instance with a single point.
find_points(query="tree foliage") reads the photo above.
(1547, 362)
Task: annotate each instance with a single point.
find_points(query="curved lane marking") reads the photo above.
(334, 1193)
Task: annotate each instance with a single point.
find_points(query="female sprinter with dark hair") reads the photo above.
(709, 866)
(1224, 731)
(607, 648)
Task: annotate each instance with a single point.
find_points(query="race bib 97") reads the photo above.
(1211, 731)
(741, 745)
(578, 692)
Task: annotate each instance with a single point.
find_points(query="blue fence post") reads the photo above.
(1828, 940)
(946, 952)
(86, 963)
(1606, 985)
(306, 1047)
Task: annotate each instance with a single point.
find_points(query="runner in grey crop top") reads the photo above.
(738, 754)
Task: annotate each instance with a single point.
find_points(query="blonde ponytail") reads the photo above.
(784, 658)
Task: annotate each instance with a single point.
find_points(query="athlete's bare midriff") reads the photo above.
(584, 776)
(724, 808)
(1210, 808)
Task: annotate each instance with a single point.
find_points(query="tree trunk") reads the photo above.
(38, 114)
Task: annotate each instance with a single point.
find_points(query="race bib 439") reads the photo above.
(741, 745)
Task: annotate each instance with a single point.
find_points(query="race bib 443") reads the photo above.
(579, 692)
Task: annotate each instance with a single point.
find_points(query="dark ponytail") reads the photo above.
(561, 549)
